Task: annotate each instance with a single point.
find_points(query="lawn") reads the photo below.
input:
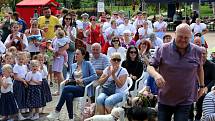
(206, 11)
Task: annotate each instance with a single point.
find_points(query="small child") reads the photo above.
(20, 84)
(34, 95)
(9, 59)
(8, 107)
(61, 41)
(13, 50)
(45, 85)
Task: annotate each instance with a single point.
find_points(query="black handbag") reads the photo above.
(109, 87)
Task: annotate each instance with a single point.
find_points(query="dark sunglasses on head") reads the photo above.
(133, 52)
(68, 18)
(116, 59)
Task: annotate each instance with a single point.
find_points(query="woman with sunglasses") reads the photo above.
(93, 32)
(105, 102)
(71, 32)
(116, 47)
(67, 24)
(133, 64)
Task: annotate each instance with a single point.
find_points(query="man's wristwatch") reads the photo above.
(201, 86)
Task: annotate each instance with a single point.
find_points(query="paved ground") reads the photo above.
(51, 106)
(210, 38)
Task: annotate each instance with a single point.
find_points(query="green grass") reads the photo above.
(206, 11)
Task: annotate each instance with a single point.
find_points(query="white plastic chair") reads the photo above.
(128, 81)
(79, 102)
(138, 82)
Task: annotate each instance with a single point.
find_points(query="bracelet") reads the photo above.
(201, 86)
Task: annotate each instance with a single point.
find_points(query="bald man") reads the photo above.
(98, 60)
(180, 72)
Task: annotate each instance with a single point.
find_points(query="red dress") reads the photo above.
(95, 35)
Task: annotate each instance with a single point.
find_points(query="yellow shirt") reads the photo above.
(49, 23)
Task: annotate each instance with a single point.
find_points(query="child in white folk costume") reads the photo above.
(20, 84)
(34, 94)
(8, 107)
(45, 86)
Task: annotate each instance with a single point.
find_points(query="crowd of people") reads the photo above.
(106, 50)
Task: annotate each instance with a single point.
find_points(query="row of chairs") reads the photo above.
(80, 102)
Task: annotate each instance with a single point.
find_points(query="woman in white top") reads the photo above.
(111, 31)
(118, 75)
(160, 27)
(17, 39)
(35, 36)
(116, 47)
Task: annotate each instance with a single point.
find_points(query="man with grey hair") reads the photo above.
(98, 60)
(180, 67)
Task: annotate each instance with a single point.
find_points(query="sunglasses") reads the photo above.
(68, 18)
(133, 52)
(115, 40)
(116, 59)
(93, 20)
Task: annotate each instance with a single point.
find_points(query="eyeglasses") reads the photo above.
(68, 18)
(133, 52)
(116, 59)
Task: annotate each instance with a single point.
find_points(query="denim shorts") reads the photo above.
(109, 101)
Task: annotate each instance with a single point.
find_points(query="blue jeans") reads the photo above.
(181, 112)
(109, 101)
(68, 94)
(70, 59)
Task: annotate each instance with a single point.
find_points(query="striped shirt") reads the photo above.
(100, 63)
(209, 107)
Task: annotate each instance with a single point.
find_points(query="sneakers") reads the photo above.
(35, 117)
(20, 117)
(54, 115)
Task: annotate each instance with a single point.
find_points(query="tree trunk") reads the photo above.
(196, 7)
(213, 4)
